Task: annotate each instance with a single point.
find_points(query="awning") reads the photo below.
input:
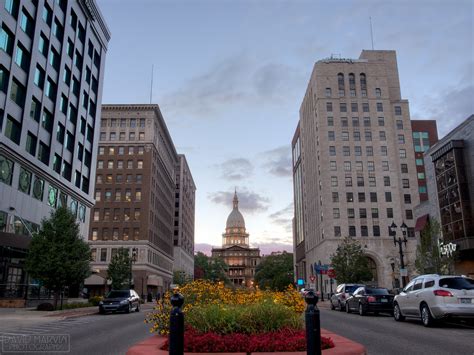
(154, 280)
(421, 222)
(94, 280)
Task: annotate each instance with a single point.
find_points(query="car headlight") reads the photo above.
(124, 302)
(101, 303)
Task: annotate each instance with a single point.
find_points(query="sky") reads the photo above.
(230, 76)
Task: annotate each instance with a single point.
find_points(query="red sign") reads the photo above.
(331, 273)
(312, 278)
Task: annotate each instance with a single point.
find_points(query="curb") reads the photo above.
(343, 346)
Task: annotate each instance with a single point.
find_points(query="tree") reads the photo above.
(210, 268)
(349, 262)
(428, 257)
(181, 278)
(58, 256)
(275, 271)
(119, 270)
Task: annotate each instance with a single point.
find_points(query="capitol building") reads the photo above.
(236, 252)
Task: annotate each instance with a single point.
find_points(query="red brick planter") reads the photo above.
(343, 346)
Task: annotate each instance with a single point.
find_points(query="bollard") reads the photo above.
(313, 326)
(176, 338)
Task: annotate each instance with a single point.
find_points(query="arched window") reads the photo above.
(352, 84)
(378, 92)
(373, 269)
(340, 83)
(363, 85)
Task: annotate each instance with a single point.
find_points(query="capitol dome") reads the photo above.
(235, 219)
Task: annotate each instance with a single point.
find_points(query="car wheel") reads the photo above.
(341, 308)
(397, 314)
(361, 310)
(332, 307)
(348, 310)
(426, 317)
(129, 308)
(138, 307)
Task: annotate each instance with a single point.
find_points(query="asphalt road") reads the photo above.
(383, 335)
(94, 334)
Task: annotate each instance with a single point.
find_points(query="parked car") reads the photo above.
(370, 299)
(343, 292)
(120, 300)
(435, 297)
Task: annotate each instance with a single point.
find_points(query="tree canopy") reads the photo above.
(58, 256)
(119, 270)
(350, 263)
(210, 268)
(275, 271)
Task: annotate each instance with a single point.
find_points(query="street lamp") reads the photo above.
(399, 241)
(133, 259)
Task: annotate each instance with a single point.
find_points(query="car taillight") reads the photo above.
(442, 293)
(371, 299)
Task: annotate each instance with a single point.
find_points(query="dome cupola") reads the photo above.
(235, 219)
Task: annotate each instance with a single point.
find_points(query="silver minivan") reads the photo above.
(435, 297)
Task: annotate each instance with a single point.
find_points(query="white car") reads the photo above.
(435, 297)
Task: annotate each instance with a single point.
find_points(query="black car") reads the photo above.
(120, 300)
(370, 299)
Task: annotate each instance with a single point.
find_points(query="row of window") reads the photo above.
(359, 166)
(367, 134)
(121, 136)
(372, 181)
(127, 195)
(129, 178)
(365, 107)
(372, 197)
(140, 150)
(119, 215)
(120, 164)
(346, 151)
(123, 122)
(366, 122)
(115, 234)
(336, 214)
(364, 231)
(33, 185)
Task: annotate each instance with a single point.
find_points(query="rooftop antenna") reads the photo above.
(151, 86)
(371, 33)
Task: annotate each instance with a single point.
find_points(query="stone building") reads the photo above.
(236, 252)
(354, 166)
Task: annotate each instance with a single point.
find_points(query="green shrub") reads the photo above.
(248, 319)
(95, 300)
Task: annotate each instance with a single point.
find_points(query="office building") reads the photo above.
(354, 166)
(52, 56)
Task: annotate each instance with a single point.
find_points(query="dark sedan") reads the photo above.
(120, 300)
(370, 299)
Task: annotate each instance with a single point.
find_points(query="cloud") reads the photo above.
(268, 248)
(278, 161)
(284, 218)
(249, 201)
(236, 169)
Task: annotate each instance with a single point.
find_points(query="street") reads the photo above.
(93, 334)
(383, 335)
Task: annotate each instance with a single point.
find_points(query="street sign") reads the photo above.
(403, 272)
(312, 278)
(332, 273)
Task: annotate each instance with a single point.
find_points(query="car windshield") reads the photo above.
(457, 283)
(118, 294)
(352, 288)
(376, 291)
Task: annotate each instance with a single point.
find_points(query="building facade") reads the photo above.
(185, 197)
(134, 194)
(425, 135)
(449, 170)
(358, 167)
(241, 259)
(52, 56)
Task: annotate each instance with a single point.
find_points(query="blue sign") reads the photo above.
(300, 282)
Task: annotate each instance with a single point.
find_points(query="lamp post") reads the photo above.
(321, 280)
(399, 241)
(133, 259)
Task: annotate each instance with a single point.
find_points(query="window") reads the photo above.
(78, 61)
(348, 181)
(31, 141)
(12, 6)
(406, 183)
(138, 195)
(366, 121)
(364, 231)
(404, 168)
(355, 121)
(379, 107)
(352, 231)
(39, 77)
(368, 135)
(350, 213)
(389, 212)
(17, 93)
(51, 89)
(131, 136)
(398, 110)
(360, 181)
(26, 23)
(409, 214)
(361, 196)
(47, 120)
(343, 107)
(4, 76)
(129, 164)
(401, 139)
(6, 40)
(329, 106)
(422, 189)
(335, 213)
(386, 181)
(359, 166)
(43, 153)
(344, 122)
(345, 135)
(120, 164)
(335, 197)
(421, 176)
(334, 181)
(354, 107)
(136, 214)
(382, 136)
(142, 123)
(378, 93)
(376, 231)
(362, 213)
(121, 136)
(54, 59)
(365, 107)
(128, 195)
(121, 150)
(349, 197)
(110, 164)
(22, 57)
(13, 130)
(328, 92)
(407, 198)
(58, 30)
(402, 153)
(337, 231)
(331, 136)
(373, 197)
(332, 150)
(60, 131)
(372, 181)
(385, 166)
(358, 151)
(370, 166)
(118, 195)
(388, 196)
(419, 162)
(330, 121)
(375, 213)
(399, 124)
(140, 164)
(346, 151)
